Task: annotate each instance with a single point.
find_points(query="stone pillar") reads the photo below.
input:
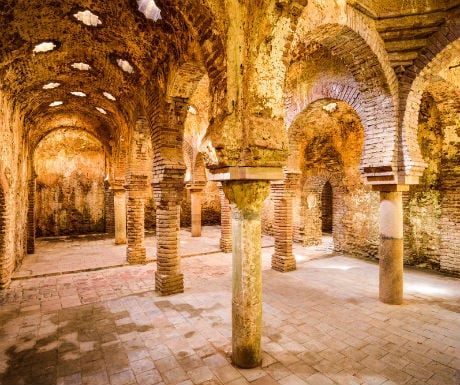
(31, 215)
(136, 188)
(168, 195)
(119, 203)
(195, 202)
(391, 245)
(283, 193)
(225, 222)
(246, 198)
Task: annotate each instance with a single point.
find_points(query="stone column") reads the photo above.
(195, 202)
(136, 188)
(246, 198)
(32, 185)
(168, 195)
(283, 194)
(119, 203)
(391, 245)
(225, 222)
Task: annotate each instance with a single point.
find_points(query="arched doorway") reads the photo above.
(326, 208)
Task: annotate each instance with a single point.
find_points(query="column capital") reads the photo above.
(390, 187)
(246, 173)
(247, 195)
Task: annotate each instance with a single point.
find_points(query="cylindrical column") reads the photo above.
(119, 205)
(246, 198)
(225, 222)
(31, 216)
(195, 201)
(391, 247)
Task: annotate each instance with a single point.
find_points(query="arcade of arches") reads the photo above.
(290, 118)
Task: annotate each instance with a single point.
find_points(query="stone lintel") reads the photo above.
(390, 187)
(246, 173)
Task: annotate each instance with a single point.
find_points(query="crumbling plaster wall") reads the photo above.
(432, 210)
(13, 194)
(331, 140)
(70, 165)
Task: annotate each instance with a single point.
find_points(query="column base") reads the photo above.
(136, 256)
(226, 245)
(283, 264)
(169, 284)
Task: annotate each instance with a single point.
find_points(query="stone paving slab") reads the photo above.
(322, 324)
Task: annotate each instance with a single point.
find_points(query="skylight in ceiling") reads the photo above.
(109, 96)
(149, 9)
(88, 18)
(44, 47)
(125, 66)
(51, 85)
(81, 66)
(56, 103)
(78, 93)
(101, 110)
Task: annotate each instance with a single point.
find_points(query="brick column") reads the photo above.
(225, 222)
(168, 195)
(119, 204)
(246, 198)
(136, 188)
(283, 193)
(32, 185)
(391, 248)
(109, 214)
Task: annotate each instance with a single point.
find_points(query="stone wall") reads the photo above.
(432, 209)
(70, 195)
(210, 206)
(13, 192)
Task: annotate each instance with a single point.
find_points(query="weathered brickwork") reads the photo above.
(70, 197)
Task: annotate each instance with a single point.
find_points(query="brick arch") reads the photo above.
(343, 91)
(362, 52)
(442, 47)
(309, 229)
(350, 95)
(209, 34)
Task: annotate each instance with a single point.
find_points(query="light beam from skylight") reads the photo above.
(88, 18)
(51, 85)
(81, 66)
(149, 9)
(44, 47)
(125, 66)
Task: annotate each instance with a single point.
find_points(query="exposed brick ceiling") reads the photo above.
(406, 25)
(120, 31)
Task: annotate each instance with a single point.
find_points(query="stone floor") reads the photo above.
(322, 324)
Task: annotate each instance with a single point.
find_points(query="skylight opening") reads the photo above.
(56, 103)
(51, 85)
(192, 110)
(88, 18)
(149, 9)
(81, 66)
(109, 96)
(101, 110)
(78, 93)
(44, 47)
(125, 66)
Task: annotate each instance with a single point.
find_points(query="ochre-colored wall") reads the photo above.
(70, 185)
